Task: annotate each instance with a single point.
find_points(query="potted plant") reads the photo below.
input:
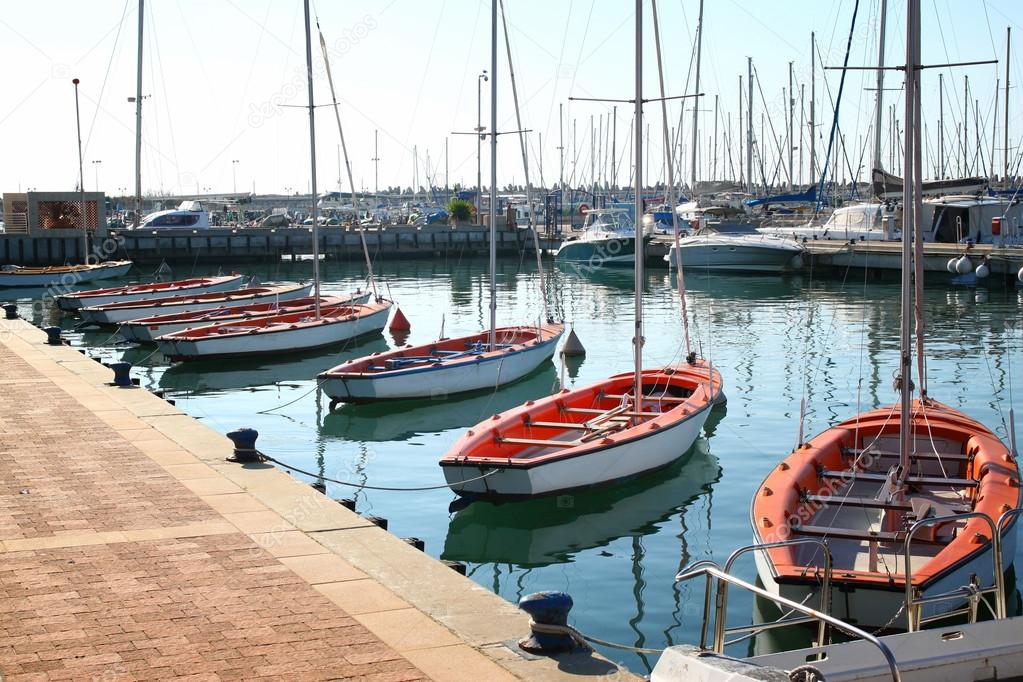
(460, 211)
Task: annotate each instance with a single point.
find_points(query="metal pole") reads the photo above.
(741, 172)
(941, 126)
(493, 177)
(561, 148)
(802, 123)
(749, 126)
(714, 155)
(696, 100)
(81, 181)
(376, 162)
(614, 147)
(792, 117)
(138, 122)
(1005, 131)
(312, 160)
(966, 123)
(879, 95)
(813, 99)
(479, 142)
(637, 341)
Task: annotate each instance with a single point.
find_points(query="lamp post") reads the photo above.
(479, 139)
(234, 176)
(95, 171)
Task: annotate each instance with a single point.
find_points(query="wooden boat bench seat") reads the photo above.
(943, 456)
(887, 537)
(915, 480)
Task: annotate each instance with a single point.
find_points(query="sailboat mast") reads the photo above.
(696, 100)
(813, 98)
(879, 99)
(637, 340)
(1005, 131)
(493, 176)
(525, 166)
(910, 229)
(81, 180)
(672, 193)
(312, 160)
(749, 125)
(138, 121)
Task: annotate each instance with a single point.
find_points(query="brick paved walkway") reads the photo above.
(111, 568)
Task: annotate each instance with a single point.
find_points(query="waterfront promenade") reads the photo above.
(130, 549)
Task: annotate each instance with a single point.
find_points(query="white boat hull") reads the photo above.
(876, 608)
(437, 382)
(302, 338)
(148, 333)
(119, 315)
(654, 450)
(66, 279)
(78, 302)
(767, 256)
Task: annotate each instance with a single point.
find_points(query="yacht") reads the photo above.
(736, 247)
(857, 222)
(188, 214)
(607, 238)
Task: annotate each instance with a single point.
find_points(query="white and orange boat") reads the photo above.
(839, 487)
(444, 367)
(146, 330)
(585, 437)
(117, 313)
(135, 292)
(277, 334)
(909, 497)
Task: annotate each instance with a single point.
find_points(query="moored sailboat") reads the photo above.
(136, 292)
(64, 275)
(614, 429)
(909, 496)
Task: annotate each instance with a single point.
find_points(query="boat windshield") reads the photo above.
(610, 221)
(864, 216)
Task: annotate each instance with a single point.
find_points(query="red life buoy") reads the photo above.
(583, 208)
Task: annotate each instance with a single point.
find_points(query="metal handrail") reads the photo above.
(1002, 520)
(712, 570)
(913, 603)
(719, 624)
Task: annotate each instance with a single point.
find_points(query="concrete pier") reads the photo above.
(131, 549)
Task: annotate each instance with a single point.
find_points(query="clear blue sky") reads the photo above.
(217, 71)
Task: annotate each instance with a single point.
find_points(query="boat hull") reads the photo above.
(596, 253)
(84, 299)
(305, 337)
(440, 381)
(117, 315)
(609, 465)
(736, 257)
(147, 331)
(66, 277)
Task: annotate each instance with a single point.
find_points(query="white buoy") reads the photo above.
(1019, 275)
(572, 346)
(980, 296)
(982, 270)
(951, 265)
(796, 263)
(964, 265)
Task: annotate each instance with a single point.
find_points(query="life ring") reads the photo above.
(583, 208)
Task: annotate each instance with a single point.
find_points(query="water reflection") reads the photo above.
(400, 420)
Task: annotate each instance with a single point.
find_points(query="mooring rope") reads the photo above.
(582, 639)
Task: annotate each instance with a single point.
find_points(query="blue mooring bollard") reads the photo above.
(11, 311)
(244, 440)
(53, 336)
(547, 609)
(121, 374)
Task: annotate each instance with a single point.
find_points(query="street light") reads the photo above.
(234, 176)
(479, 139)
(95, 169)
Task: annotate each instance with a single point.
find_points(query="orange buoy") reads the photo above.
(399, 322)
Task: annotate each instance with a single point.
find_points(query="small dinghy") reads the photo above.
(116, 313)
(585, 437)
(135, 292)
(277, 334)
(64, 275)
(444, 367)
(146, 330)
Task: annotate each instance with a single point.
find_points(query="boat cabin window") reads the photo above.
(174, 220)
(612, 221)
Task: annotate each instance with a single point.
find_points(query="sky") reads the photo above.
(224, 86)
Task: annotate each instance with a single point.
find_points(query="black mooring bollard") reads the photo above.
(348, 503)
(121, 377)
(547, 609)
(415, 542)
(244, 440)
(53, 336)
(377, 521)
(11, 311)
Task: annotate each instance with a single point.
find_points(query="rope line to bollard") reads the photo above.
(580, 638)
(268, 458)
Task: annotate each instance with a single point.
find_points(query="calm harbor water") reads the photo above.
(616, 550)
